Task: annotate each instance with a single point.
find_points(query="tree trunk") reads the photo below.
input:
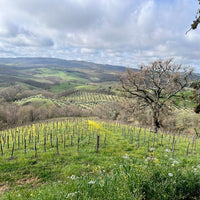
(156, 123)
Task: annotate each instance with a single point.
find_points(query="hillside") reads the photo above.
(45, 73)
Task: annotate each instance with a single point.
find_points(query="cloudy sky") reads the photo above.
(118, 32)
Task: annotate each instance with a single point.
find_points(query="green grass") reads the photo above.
(39, 101)
(130, 163)
(67, 76)
(87, 87)
(70, 85)
(62, 87)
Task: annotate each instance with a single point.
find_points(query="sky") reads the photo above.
(116, 32)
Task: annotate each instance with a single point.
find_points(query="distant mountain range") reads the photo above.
(46, 73)
(52, 62)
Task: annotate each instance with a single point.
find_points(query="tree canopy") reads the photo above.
(155, 84)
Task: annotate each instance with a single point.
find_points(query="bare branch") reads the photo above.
(156, 84)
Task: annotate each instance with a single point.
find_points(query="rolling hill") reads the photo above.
(56, 75)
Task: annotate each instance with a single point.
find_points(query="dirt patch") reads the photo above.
(33, 181)
(3, 188)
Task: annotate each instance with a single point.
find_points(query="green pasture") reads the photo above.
(67, 76)
(37, 101)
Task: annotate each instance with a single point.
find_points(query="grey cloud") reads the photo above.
(119, 32)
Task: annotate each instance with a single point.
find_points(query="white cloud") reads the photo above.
(118, 32)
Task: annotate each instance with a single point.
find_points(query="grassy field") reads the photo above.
(77, 158)
(40, 101)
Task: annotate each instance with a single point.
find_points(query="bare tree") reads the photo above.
(154, 85)
(196, 22)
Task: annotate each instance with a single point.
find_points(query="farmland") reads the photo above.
(66, 133)
(77, 158)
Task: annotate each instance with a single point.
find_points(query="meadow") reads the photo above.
(84, 158)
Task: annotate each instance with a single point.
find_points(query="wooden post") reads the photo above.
(51, 139)
(144, 136)
(139, 137)
(149, 136)
(18, 141)
(64, 140)
(35, 147)
(8, 141)
(161, 140)
(71, 140)
(104, 139)
(97, 144)
(89, 139)
(188, 148)
(25, 145)
(13, 147)
(57, 146)
(44, 142)
(78, 144)
(38, 136)
(192, 145)
(173, 148)
(1, 148)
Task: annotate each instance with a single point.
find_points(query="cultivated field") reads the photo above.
(81, 158)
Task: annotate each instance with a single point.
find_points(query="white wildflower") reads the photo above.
(71, 195)
(195, 169)
(73, 177)
(167, 150)
(91, 182)
(125, 156)
(170, 174)
(175, 162)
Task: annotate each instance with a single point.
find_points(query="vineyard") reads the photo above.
(82, 99)
(77, 158)
(89, 100)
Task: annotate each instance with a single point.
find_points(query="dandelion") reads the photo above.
(170, 174)
(156, 161)
(91, 182)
